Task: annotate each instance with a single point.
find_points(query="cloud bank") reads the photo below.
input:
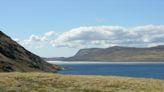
(105, 36)
(38, 41)
(100, 36)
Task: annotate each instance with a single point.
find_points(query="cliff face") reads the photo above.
(14, 57)
(118, 53)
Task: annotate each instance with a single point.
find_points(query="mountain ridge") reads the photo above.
(119, 53)
(14, 57)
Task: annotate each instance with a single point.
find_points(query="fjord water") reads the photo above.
(139, 70)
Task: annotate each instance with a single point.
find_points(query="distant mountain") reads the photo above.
(54, 58)
(118, 53)
(14, 57)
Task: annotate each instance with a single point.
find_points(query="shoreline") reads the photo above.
(103, 62)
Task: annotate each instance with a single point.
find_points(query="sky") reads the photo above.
(55, 28)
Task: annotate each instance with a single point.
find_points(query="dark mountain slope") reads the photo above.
(14, 57)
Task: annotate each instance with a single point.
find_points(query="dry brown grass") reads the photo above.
(48, 82)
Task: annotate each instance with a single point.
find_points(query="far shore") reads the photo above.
(107, 62)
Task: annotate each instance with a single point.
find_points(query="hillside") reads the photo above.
(47, 82)
(14, 57)
(118, 53)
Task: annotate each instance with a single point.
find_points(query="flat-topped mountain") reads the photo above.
(14, 57)
(118, 53)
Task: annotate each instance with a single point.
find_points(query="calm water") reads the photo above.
(130, 70)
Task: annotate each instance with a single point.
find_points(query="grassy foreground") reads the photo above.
(48, 82)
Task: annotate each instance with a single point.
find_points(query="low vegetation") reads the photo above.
(48, 82)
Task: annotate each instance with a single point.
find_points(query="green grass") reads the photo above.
(48, 82)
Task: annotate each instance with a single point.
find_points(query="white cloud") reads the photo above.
(16, 39)
(47, 35)
(111, 35)
(38, 41)
(32, 39)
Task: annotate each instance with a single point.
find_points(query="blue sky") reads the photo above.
(23, 18)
